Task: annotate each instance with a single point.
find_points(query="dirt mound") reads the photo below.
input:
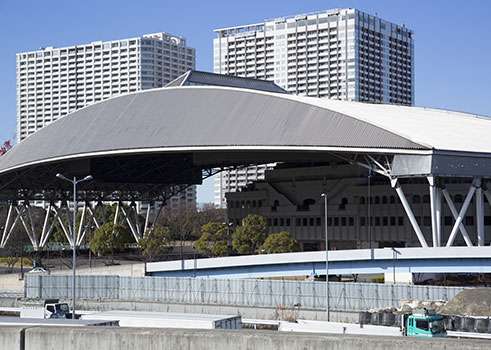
(471, 302)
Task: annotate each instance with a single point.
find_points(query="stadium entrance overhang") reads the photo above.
(148, 146)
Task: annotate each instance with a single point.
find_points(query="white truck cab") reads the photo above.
(49, 308)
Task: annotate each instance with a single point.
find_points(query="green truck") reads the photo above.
(423, 322)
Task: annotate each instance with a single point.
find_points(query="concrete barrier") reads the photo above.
(11, 284)
(10, 337)
(42, 338)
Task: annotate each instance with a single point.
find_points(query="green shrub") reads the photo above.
(378, 279)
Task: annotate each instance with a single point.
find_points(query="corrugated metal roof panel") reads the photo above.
(197, 117)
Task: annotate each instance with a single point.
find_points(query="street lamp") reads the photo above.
(228, 225)
(327, 256)
(74, 182)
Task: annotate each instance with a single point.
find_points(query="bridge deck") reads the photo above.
(361, 261)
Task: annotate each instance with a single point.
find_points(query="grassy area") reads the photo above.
(6, 260)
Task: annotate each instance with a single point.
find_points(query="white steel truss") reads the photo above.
(88, 220)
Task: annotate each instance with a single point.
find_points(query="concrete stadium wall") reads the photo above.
(82, 338)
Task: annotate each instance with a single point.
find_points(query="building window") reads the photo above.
(362, 221)
(344, 202)
(416, 199)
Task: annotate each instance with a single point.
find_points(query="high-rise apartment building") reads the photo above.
(52, 82)
(340, 54)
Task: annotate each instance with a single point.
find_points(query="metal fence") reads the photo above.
(307, 294)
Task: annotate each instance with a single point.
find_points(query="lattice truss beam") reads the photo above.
(58, 211)
(382, 164)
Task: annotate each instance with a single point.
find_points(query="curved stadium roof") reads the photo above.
(193, 119)
(214, 118)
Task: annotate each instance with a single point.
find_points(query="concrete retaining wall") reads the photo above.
(42, 338)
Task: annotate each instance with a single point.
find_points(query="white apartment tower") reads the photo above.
(340, 54)
(52, 82)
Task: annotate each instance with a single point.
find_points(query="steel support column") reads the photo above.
(46, 234)
(127, 217)
(439, 215)
(455, 214)
(84, 227)
(81, 224)
(29, 228)
(461, 215)
(7, 230)
(409, 212)
(147, 217)
(433, 207)
(93, 214)
(479, 214)
(62, 224)
(137, 219)
(34, 238)
(488, 197)
(116, 214)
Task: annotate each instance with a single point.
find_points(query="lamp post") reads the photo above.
(90, 251)
(327, 256)
(74, 182)
(228, 224)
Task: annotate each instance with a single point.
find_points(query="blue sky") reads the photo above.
(452, 39)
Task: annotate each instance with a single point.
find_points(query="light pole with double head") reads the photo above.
(74, 182)
(327, 256)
